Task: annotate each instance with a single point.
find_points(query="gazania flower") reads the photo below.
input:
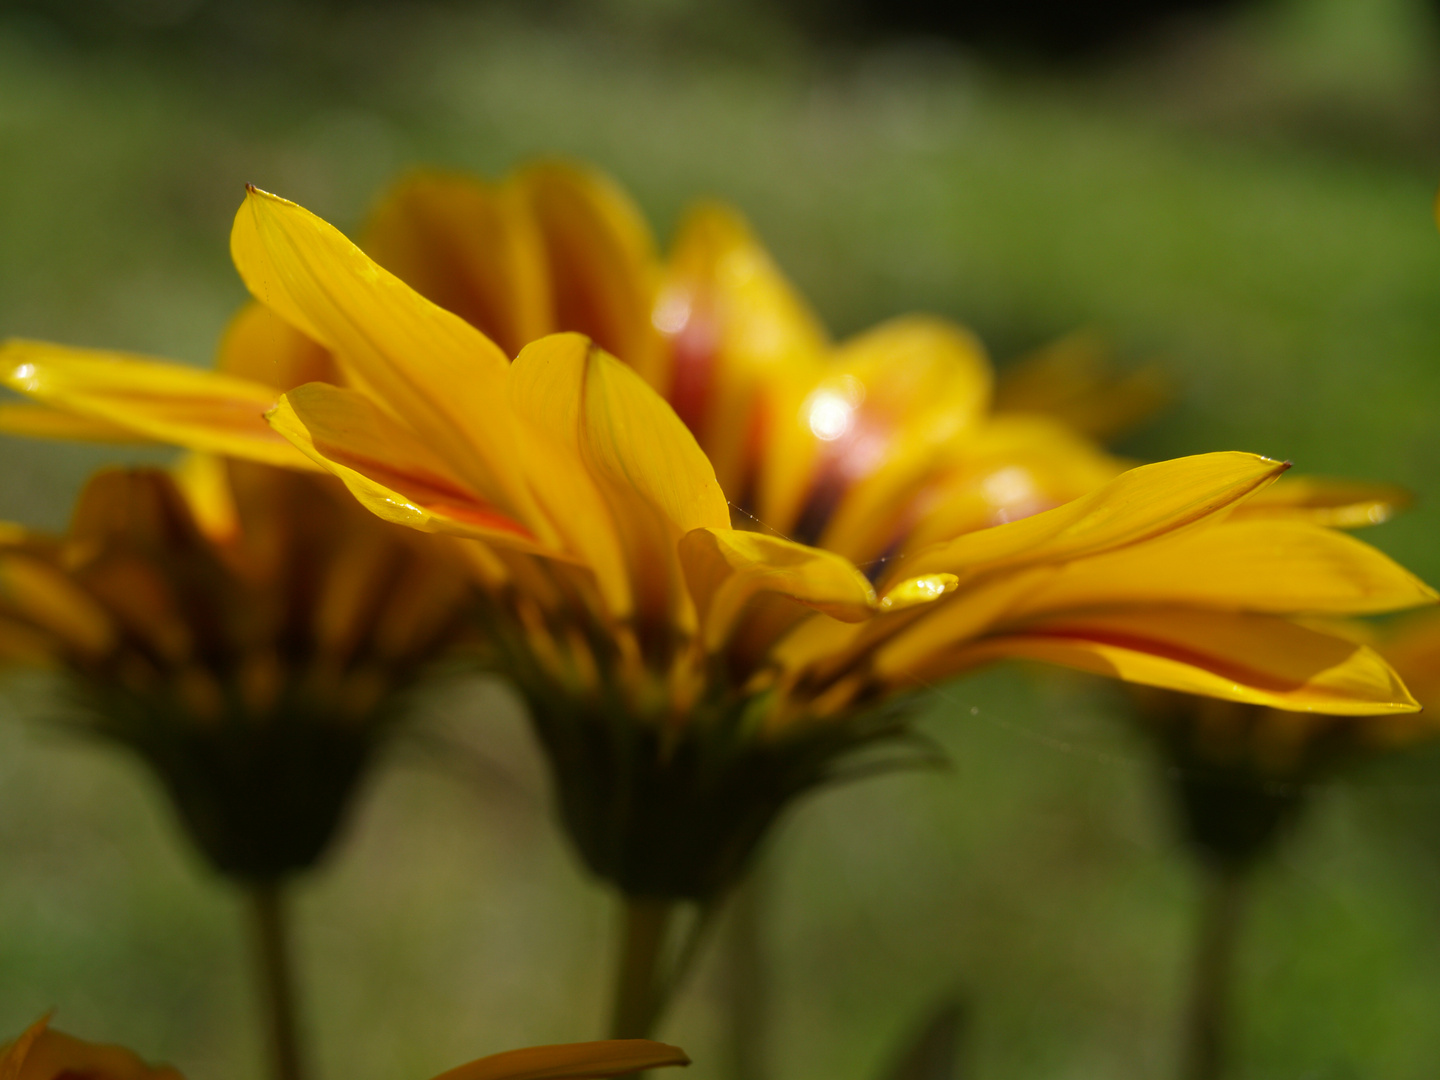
(247, 630)
(41, 1053)
(689, 678)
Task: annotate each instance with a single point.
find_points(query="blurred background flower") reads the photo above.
(1243, 196)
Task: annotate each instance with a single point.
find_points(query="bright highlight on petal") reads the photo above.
(912, 592)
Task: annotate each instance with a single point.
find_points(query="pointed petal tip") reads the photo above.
(258, 193)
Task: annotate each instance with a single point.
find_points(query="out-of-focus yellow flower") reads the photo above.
(41, 1053)
(247, 629)
(688, 677)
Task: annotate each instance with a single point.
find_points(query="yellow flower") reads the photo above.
(687, 677)
(41, 1053)
(242, 626)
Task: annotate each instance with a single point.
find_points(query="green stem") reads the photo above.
(277, 977)
(641, 980)
(746, 984)
(1222, 911)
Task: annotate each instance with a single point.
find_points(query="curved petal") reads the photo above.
(572, 1061)
(1341, 504)
(647, 468)
(386, 467)
(1141, 504)
(601, 259)
(627, 433)
(1259, 659)
(470, 247)
(1283, 567)
(431, 368)
(726, 568)
(169, 403)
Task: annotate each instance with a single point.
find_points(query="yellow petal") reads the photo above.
(391, 471)
(49, 600)
(922, 383)
(726, 568)
(431, 368)
(260, 346)
(1010, 468)
(916, 636)
(1259, 659)
(1284, 567)
(1341, 504)
(1074, 381)
(627, 432)
(470, 247)
(170, 403)
(204, 481)
(572, 1061)
(647, 468)
(43, 422)
(601, 259)
(738, 335)
(1141, 504)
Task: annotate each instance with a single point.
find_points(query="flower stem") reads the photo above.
(1222, 910)
(747, 984)
(641, 980)
(277, 978)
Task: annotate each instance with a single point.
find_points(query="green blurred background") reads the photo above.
(1245, 199)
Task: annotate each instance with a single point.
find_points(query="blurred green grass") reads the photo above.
(1251, 207)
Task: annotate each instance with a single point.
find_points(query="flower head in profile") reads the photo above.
(689, 677)
(245, 628)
